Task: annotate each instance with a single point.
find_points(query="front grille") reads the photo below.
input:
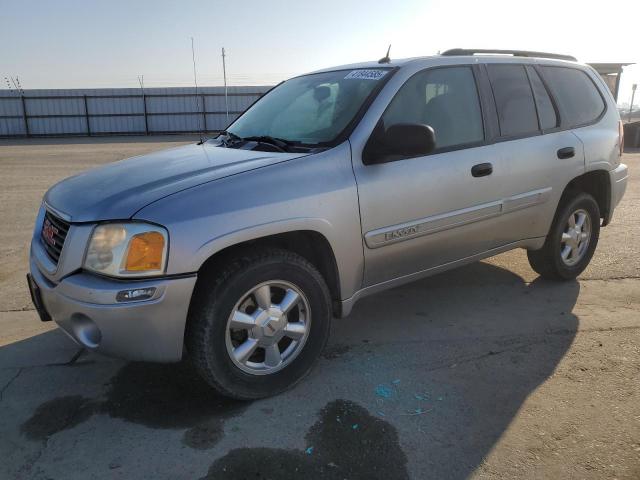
(53, 234)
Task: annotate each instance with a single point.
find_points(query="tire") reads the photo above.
(548, 262)
(212, 342)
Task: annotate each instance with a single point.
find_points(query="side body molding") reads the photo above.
(438, 223)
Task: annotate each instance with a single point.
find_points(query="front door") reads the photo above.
(423, 212)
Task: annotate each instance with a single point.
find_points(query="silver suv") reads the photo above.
(237, 252)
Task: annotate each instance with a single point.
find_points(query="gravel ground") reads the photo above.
(482, 372)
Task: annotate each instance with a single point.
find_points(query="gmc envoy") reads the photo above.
(237, 252)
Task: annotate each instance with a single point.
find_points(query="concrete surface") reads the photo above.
(482, 372)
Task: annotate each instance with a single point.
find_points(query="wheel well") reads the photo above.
(311, 245)
(595, 183)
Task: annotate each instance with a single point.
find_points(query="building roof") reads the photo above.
(609, 68)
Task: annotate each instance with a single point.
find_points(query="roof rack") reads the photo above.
(455, 52)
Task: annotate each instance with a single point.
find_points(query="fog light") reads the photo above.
(85, 331)
(135, 294)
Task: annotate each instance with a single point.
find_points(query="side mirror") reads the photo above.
(399, 141)
(409, 139)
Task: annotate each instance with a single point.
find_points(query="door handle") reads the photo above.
(566, 152)
(482, 170)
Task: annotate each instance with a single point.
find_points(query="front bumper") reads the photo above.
(85, 307)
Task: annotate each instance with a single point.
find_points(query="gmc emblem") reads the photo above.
(49, 232)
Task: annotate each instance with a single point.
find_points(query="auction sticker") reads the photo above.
(366, 74)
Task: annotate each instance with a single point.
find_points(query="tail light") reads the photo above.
(621, 136)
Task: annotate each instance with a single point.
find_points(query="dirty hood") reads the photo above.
(120, 189)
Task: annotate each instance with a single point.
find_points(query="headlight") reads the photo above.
(127, 250)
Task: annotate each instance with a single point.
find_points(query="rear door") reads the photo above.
(538, 158)
(582, 108)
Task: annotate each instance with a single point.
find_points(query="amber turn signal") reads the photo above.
(145, 252)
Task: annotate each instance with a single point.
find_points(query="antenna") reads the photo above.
(224, 74)
(195, 81)
(386, 58)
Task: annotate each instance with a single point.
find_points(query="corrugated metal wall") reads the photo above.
(121, 111)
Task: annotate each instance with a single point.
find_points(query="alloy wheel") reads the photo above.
(576, 237)
(268, 327)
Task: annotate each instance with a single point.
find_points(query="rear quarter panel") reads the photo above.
(600, 140)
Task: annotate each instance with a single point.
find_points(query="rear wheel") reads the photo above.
(257, 327)
(571, 241)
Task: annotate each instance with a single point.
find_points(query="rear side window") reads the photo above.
(514, 100)
(546, 112)
(579, 99)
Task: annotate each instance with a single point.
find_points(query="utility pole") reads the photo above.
(144, 104)
(224, 74)
(16, 84)
(633, 94)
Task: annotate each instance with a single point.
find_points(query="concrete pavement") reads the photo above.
(482, 372)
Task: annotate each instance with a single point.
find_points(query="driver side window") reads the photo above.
(445, 99)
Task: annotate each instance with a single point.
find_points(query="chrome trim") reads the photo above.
(64, 216)
(525, 200)
(39, 254)
(426, 226)
(457, 218)
(62, 228)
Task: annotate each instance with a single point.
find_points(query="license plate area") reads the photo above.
(36, 298)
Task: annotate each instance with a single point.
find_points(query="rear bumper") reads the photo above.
(85, 307)
(618, 180)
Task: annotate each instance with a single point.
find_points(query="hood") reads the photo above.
(120, 189)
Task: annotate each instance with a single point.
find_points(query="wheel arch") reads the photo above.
(308, 243)
(597, 184)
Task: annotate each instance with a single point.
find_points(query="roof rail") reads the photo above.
(516, 53)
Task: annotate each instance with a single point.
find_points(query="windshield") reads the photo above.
(312, 109)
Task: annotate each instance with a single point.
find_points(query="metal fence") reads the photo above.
(126, 111)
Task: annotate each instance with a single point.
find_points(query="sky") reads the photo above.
(95, 43)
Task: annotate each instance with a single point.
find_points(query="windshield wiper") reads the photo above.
(280, 143)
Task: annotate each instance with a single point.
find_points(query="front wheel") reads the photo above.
(257, 327)
(571, 241)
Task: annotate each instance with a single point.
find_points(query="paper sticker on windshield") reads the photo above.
(366, 74)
